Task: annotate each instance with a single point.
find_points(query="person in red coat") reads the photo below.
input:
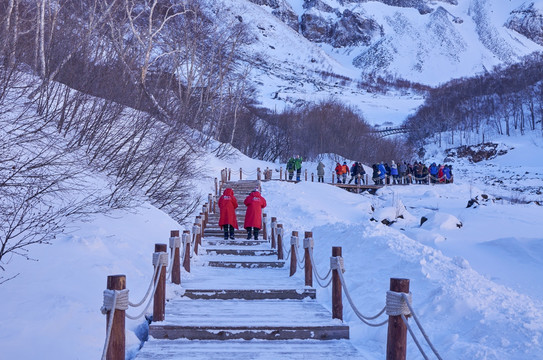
(253, 216)
(227, 206)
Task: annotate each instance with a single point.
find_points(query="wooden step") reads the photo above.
(250, 332)
(239, 242)
(246, 264)
(251, 294)
(241, 319)
(241, 252)
(248, 350)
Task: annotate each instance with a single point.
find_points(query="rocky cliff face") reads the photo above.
(282, 10)
(528, 21)
(340, 29)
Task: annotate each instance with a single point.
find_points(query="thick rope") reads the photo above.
(408, 302)
(315, 268)
(155, 272)
(414, 338)
(158, 261)
(361, 316)
(300, 263)
(397, 303)
(315, 272)
(149, 302)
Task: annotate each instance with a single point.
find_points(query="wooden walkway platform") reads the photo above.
(238, 302)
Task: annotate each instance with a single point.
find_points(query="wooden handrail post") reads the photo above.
(240, 174)
(229, 174)
(312, 177)
(159, 302)
(205, 214)
(265, 226)
(116, 346)
(216, 186)
(333, 178)
(186, 244)
(293, 259)
(308, 267)
(281, 173)
(337, 305)
(175, 243)
(305, 174)
(279, 242)
(258, 175)
(198, 224)
(273, 232)
(210, 204)
(397, 330)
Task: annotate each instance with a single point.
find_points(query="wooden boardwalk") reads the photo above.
(238, 302)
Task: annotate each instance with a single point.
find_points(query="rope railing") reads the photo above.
(316, 273)
(299, 259)
(398, 303)
(407, 300)
(116, 300)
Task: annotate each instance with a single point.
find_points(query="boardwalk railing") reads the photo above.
(398, 300)
(361, 182)
(165, 267)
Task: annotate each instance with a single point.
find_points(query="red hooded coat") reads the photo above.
(255, 203)
(227, 205)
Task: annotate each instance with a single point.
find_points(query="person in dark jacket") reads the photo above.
(227, 218)
(354, 173)
(253, 215)
(320, 172)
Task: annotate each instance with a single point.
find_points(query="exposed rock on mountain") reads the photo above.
(340, 29)
(282, 10)
(528, 21)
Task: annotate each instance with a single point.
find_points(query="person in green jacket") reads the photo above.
(290, 168)
(298, 166)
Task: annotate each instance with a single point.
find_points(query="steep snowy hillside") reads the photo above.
(310, 50)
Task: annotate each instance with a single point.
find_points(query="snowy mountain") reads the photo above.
(309, 50)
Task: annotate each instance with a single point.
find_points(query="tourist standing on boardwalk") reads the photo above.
(320, 172)
(298, 166)
(253, 216)
(227, 206)
(290, 168)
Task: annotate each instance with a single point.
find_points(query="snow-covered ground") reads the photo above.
(475, 272)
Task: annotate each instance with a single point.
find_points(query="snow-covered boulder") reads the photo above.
(441, 221)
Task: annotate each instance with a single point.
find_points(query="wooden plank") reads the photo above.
(246, 264)
(250, 294)
(231, 313)
(248, 350)
(249, 332)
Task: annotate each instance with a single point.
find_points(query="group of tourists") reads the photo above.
(228, 204)
(356, 171)
(383, 173)
(407, 173)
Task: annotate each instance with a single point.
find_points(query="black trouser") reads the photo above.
(252, 231)
(228, 230)
(320, 178)
(290, 174)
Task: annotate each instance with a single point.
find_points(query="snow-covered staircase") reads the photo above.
(239, 291)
